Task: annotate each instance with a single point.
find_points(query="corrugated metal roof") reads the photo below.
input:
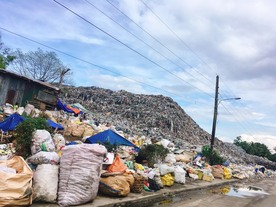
(29, 79)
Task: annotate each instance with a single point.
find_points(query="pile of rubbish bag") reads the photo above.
(72, 166)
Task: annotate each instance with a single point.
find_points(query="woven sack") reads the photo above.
(138, 184)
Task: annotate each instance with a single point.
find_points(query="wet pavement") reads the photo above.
(257, 194)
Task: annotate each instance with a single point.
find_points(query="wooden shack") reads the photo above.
(20, 90)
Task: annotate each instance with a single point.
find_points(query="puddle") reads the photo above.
(234, 191)
(241, 192)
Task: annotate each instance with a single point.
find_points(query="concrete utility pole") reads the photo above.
(215, 114)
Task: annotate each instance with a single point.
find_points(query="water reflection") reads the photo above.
(240, 191)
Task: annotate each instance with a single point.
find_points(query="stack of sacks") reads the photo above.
(79, 130)
(166, 173)
(115, 181)
(45, 181)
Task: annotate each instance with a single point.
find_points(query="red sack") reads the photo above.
(117, 165)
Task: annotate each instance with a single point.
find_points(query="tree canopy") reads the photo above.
(255, 148)
(40, 65)
(5, 55)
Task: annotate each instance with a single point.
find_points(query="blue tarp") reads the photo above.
(11, 122)
(110, 137)
(54, 124)
(63, 107)
(15, 119)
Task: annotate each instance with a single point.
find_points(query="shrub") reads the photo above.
(153, 153)
(212, 156)
(23, 134)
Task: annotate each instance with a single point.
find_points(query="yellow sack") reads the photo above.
(117, 185)
(167, 180)
(227, 174)
(208, 177)
(138, 166)
(15, 188)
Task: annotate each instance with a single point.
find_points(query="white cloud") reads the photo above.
(236, 39)
(268, 140)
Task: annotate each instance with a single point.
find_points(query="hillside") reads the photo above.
(153, 116)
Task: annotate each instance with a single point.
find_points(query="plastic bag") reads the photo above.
(109, 158)
(170, 158)
(29, 108)
(44, 158)
(165, 169)
(45, 184)
(117, 165)
(167, 180)
(227, 174)
(179, 175)
(42, 141)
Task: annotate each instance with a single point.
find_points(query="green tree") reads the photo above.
(5, 55)
(41, 65)
(253, 148)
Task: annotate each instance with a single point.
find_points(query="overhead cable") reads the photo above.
(132, 49)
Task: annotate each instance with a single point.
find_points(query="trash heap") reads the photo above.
(71, 166)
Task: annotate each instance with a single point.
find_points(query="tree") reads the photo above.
(253, 148)
(5, 55)
(40, 65)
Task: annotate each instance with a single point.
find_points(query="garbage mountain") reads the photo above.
(153, 116)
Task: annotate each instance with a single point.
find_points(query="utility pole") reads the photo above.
(215, 114)
(62, 74)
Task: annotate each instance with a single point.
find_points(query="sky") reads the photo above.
(175, 48)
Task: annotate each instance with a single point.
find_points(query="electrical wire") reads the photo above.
(141, 40)
(85, 61)
(185, 62)
(132, 49)
(177, 36)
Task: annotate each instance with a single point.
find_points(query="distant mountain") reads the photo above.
(154, 116)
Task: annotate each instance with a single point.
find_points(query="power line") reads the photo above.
(240, 123)
(158, 41)
(180, 39)
(141, 40)
(177, 36)
(132, 49)
(241, 113)
(85, 61)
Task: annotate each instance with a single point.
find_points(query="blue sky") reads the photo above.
(177, 51)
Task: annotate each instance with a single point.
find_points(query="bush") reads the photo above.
(212, 156)
(23, 134)
(153, 153)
